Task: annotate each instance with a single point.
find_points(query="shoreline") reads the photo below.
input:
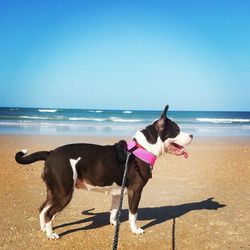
(118, 122)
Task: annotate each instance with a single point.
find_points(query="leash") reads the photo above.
(118, 215)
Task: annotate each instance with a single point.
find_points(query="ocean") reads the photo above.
(57, 121)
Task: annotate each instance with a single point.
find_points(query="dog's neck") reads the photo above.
(156, 149)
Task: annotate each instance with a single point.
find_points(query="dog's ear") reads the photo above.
(164, 113)
(161, 122)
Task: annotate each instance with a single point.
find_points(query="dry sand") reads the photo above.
(182, 206)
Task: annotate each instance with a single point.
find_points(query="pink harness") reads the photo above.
(141, 153)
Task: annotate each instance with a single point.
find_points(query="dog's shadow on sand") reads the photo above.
(156, 215)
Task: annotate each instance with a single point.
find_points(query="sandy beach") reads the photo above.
(201, 202)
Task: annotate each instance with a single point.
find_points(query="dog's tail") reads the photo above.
(38, 156)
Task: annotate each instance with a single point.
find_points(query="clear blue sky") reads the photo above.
(193, 55)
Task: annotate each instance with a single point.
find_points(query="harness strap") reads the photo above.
(141, 153)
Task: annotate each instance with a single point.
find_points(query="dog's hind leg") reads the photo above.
(114, 208)
(58, 203)
(44, 207)
(59, 180)
(43, 210)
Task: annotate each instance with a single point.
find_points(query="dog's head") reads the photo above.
(164, 135)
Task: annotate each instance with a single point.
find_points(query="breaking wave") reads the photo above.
(47, 110)
(222, 120)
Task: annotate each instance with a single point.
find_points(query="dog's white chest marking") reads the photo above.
(156, 149)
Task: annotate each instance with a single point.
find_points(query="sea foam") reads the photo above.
(224, 120)
(47, 110)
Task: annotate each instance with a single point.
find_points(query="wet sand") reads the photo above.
(202, 202)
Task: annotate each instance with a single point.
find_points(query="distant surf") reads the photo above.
(220, 120)
(99, 122)
(113, 119)
(47, 110)
(95, 111)
(86, 119)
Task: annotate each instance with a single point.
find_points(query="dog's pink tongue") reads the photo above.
(185, 154)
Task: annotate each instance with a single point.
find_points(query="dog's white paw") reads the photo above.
(53, 236)
(43, 229)
(138, 231)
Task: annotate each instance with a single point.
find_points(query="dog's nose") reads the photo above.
(191, 136)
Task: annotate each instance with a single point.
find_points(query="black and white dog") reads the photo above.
(100, 168)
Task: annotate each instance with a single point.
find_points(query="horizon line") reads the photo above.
(128, 109)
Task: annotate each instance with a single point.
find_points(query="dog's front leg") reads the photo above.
(114, 208)
(134, 196)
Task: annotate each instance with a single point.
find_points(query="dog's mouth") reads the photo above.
(176, 149)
